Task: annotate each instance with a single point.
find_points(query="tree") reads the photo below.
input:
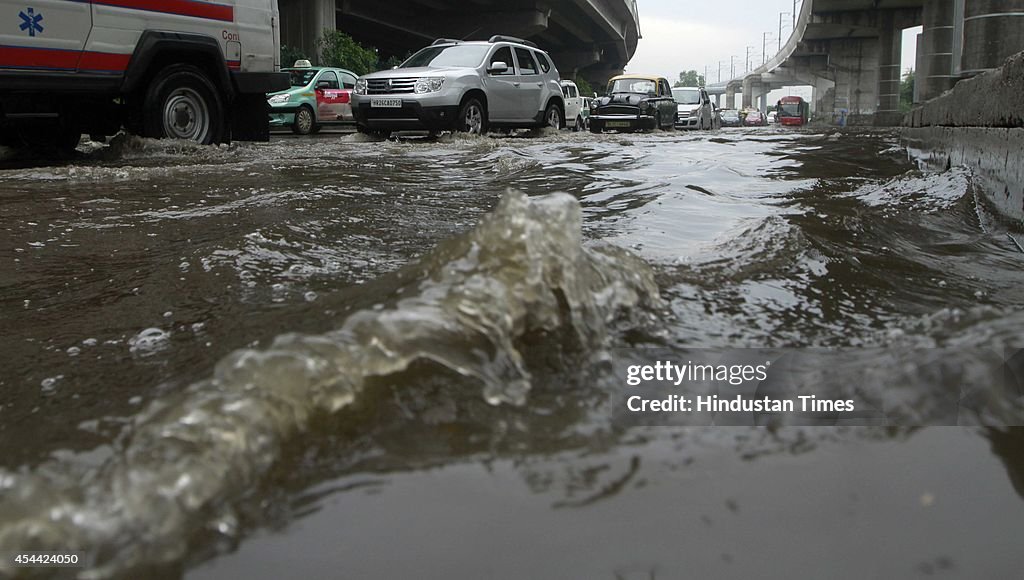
(337, 49)
(907, 91)
(690, 78)
(290, 54)
(585, 89)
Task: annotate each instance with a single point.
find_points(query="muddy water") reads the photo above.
(349, 358)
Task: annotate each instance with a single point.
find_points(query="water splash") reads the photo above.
(188, 457)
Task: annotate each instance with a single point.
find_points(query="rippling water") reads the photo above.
(339, 356)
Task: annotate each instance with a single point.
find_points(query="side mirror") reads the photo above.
(394, 67)
(595, 94)
(497, 68)
(322, 85)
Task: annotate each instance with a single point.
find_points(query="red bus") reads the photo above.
(792, 111)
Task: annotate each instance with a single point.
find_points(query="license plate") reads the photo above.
(386, 103)
(617, 124)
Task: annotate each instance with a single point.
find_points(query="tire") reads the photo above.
(374, 132)
(579, 125)
(182, 103)
(472, 117)
(657, 120)
(553, 117)
(48, 140)
(304, 122)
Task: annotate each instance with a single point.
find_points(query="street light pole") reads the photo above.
(780, 30)
(747, 69)
(732, 67)
(720, 70)
(764, 47)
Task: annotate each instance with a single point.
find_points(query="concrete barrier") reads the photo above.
(991, 99)
(995, 154)
(978, 124)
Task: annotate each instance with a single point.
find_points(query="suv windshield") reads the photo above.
(301, 78)
(642, 86)
(686, 96)
(452, 55)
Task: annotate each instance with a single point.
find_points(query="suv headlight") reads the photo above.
(279, 99)
(360, 88)
(428, 85)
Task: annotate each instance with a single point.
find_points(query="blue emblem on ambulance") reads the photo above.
(30, 21)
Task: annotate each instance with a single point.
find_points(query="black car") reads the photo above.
(730, 118)
(634, 103)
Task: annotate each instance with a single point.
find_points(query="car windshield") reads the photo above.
(452, 55)
(686, 96)
(301, 78)
(641, 86)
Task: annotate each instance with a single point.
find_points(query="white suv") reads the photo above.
(503, 83)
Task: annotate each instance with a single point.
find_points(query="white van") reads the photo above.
(574, 110)
(187, 70)
(694, 110)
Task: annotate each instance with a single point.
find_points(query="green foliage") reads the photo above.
(690, 78)
(390, 62)
(290, 54)
(585, 89)
(907, 91)
(339, 50)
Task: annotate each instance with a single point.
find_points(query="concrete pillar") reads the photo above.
(303, 22)
(920, 72)
(855, 62)
(751, 91)
(324, 17)
(730, 98)
(993, 30)
(890, 45)
(823, 98)
(934, 73)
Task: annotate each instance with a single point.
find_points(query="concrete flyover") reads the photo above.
(849, 51)
(592, 38)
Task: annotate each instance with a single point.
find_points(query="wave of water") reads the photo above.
(184, 460)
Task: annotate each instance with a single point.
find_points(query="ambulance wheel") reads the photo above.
(182, 103)
(304, 123)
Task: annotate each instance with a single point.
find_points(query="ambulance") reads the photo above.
(184, 69)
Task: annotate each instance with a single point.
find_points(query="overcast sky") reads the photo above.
(683, 35)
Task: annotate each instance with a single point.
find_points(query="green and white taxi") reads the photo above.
(318, 96)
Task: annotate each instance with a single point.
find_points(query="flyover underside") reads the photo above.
(594, 38)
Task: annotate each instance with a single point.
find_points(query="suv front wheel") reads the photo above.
(472, 117)
(553, 117)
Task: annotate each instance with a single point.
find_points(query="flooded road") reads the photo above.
(352, 358)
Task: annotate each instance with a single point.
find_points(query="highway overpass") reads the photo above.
(849, 51)
(592, 38)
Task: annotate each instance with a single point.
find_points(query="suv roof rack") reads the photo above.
(500, 38)
(446, 41)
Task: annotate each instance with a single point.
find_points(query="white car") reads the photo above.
(575, 111)
(694, 110)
